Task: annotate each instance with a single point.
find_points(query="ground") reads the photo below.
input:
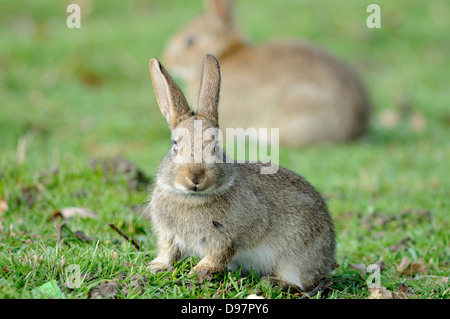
(81, 138)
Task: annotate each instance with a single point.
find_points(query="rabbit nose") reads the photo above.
(196, 178)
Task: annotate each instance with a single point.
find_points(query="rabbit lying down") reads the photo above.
(311, 95)
(227, 213)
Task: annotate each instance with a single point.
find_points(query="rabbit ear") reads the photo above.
(221, 9)
(208, 97)
(171, 100)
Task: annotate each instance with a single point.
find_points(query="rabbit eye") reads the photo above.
(216, 148)
(190, 40)
(174, 148)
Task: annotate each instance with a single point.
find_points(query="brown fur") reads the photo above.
(275, 224)
(307, 93)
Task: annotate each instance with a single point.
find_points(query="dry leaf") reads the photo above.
(417, 121)
(389, 118)
(3, 206)
(11, 232)
(361, 267)
(403, 288)
(367, 269)
(254, 296)
(401, 245)
(75, 211)
(410, 268)
(403, 264)
(415, 267)
(380, 293)
(402, 292)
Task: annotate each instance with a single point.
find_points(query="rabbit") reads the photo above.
(227, 213)
(306, 92)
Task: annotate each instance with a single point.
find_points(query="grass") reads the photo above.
(67, 96)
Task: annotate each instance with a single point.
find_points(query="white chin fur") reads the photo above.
(180, 189)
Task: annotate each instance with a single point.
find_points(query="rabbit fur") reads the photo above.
(310, 95)
(228, 214)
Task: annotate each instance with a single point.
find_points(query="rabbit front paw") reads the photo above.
(157, 266)
(204, 269)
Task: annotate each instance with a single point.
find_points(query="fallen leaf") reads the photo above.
(403, 288)
(380, 263)
(401, 245)
(403, 264)
(389, 118)
(380, 293)
(417, 121)
(402, 292)
(416, 267)
(410, 268)
(361, 267)
(70, 212)
(3, 206)
(11, 232)
(90, 77)
(367, 269)
(63, 262)
(255, 296)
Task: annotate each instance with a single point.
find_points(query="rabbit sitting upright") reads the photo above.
(309, 94)
(227, 213)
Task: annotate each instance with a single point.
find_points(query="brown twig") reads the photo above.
(59, 228)
(121, 233)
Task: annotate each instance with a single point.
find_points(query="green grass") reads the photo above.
(67, 96)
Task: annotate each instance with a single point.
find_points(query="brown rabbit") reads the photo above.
(228, 213)
(307, 93)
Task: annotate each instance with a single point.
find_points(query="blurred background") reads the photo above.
(67, 93)
(68, 96)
